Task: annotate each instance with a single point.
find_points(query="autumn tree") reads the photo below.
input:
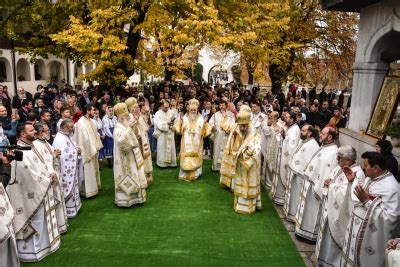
(177, 30)
(255, 29)
(87, 31)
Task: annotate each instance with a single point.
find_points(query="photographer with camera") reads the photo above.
(8, 246)
(32, 196)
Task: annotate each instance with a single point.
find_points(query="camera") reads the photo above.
(16, 150)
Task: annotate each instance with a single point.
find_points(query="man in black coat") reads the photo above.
(315, 116)
(20, 96)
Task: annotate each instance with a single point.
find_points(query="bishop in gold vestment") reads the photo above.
(193, 129)
(247, 167)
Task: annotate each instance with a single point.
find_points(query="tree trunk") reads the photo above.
(134, 35)
(251, 78)
(168, 75)
(279, 73)
(275, 75)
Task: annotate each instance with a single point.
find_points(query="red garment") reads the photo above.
(77, 116)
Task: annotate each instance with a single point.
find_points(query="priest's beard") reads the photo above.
(124, 121)
(45, 138)
(303, 137)
(192, 117)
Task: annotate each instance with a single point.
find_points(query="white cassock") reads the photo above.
(270, 140)
(289, 144)
(129, 176)
(32, 197)
(88, 139)
(309, 208)
(166, 152)
(53, 165)
(257, 120)
(393, 256)
(191, 156)
(337, 206)
(372, 224)
(71, 172)
(8, 246)
(297, 163)
(223, 123)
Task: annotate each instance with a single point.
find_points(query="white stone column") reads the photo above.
(367, 82)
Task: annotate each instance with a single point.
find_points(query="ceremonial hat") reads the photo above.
(121, 109)
(244, 117)
(245, 108)
(131, 102)
(193, 103)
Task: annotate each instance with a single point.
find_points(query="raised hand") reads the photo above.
(350, 175)
(361, 193)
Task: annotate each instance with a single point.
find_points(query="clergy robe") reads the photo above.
(223, 123)
(32, 197)
(302, 155)
(257, 122)
(53, 165)
(309, 208)
(228, 162)
(191, 155)
(289, 144)
(247, 174)
(71, 172)
(337, 205)
(88, 139)
(141, 129)
(372, 224)
(8, 246)
(129, 177)
(393, 257)
(270, 140)
(166, 151)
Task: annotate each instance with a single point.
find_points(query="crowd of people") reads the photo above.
(285, 143)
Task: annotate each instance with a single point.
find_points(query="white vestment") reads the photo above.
(53, 165)
(129, 176)
(289, 144)
(88, 139)
(297, 163)
(372, 224)
(141, 130)
(257, 120)
(32, 198)
(8, 246)
(166, 152)
(223, 124)
(393, 257)
(70, 171)
(337, 205)
(270, 140)
(309, 208)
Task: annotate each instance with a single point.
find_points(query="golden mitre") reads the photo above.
(131, 102)
(245, 108)
(244, 117)
(193, 103)
(121, 109)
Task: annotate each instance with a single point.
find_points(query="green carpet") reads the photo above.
(181, 224)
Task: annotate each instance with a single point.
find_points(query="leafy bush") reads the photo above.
(394, 130)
